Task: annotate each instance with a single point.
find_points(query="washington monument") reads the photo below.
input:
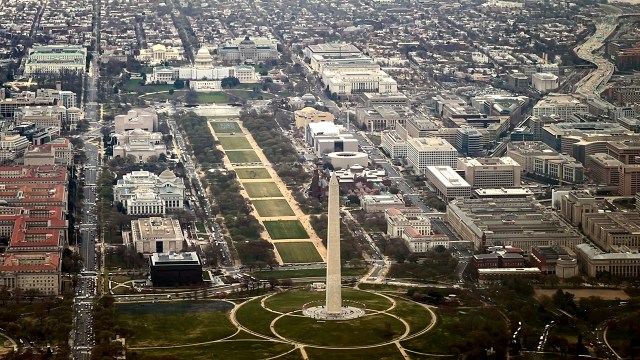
(334, 276)
(333, 309)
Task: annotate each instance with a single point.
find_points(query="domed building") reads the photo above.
(203, 59)
(309, 99)
(250, 50)
(159, 53)
(144, 193)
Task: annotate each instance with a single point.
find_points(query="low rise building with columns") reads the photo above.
(144, 193)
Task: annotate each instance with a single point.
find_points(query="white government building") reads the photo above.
(139, 143)
(159, 53)
(203, 76)
(145, 193)
(55, 58)
(251, 50)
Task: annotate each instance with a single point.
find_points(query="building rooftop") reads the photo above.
(173, 258)
(431, 144)
(447, 176)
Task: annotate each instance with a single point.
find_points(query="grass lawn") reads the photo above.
(283, 274)
(413, 313)
(225, 127)
(242, 156)
(164, 96)
(298, 252)
(250, 95)
(200, 227)
(285, 229)
(273, 207)
(252, 316)
(212, 97)
(262, 189)
(293, 300)
(252, 173)
(237, 350)
(367, 330)
(388, 352)
(135, 86)
(175, 323)
(234, 142)
(444, 335)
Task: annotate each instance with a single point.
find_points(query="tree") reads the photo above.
(4, 294)
(230, 82)
(191, 97)
(178, 84)
(31, 293)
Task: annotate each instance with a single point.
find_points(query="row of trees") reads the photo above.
(45, 321)
(201, 142)
(349, 245)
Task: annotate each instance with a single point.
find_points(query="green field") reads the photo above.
(367, 330)
(234, 142)
(388, 352)
(283, 274)
(298, 252)
(262, 189)
(225, 127)
(273, 207)
(237, 350)
(242, 156)
(212, 97)
(285, 229)
(173, 323)
(252, 173)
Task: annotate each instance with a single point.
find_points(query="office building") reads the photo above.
(55, 58)
(575, 203)
(611, 231)
(470, 141)
(145, 119)
(544, 82)
(310, 115)
(144, 193)
(424, 152)
(604, 169)
(379, 203)
(12, 146)
(555, 260)
(560, 105)
(538, 158)
(394, 144)
(175, 269)
(382, 117)
(501, 172)
(56, 152)
(154, 234)
(447, 183)
(414, 227)
(620, 264)
(501, 193)
(31, 271)
(521, 223)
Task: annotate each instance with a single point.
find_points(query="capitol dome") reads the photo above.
(203, 58)
(247, 41)
(167, 175)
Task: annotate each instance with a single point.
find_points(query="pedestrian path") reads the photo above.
(299, 215)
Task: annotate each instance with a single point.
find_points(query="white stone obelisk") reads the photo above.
(334, 277)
